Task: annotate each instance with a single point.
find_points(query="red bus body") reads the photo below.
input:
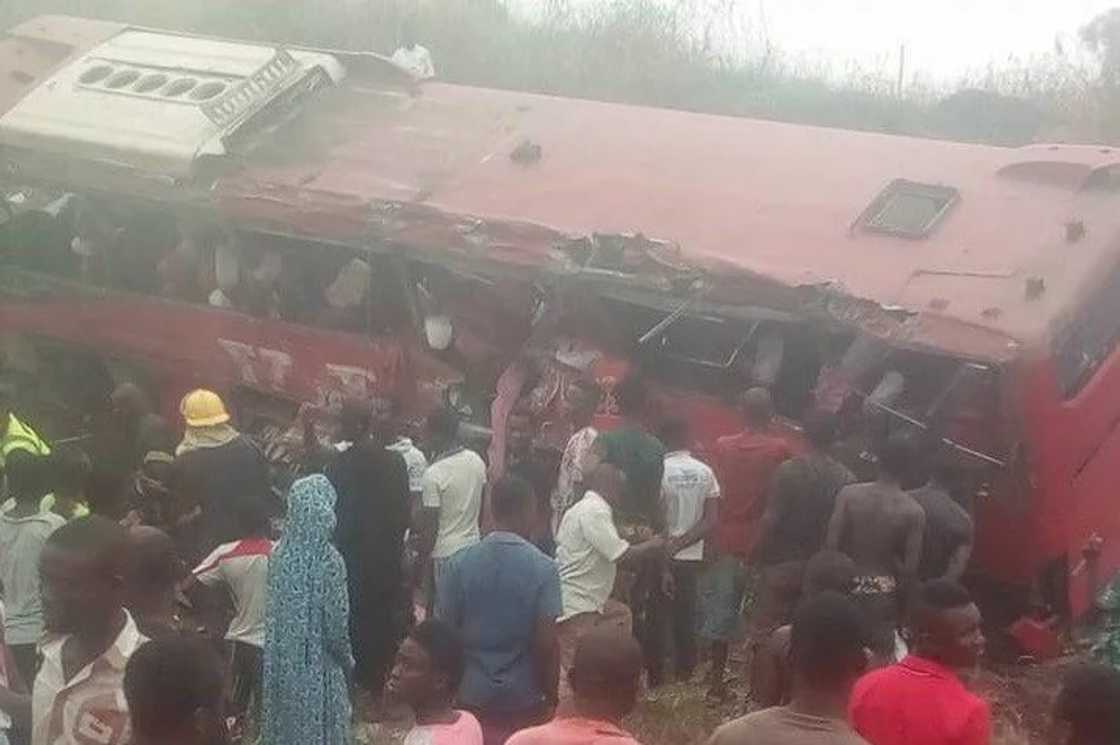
(753, 221)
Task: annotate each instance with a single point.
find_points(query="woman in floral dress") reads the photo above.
(307, 657)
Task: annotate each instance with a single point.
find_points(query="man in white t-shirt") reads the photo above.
(588, 551)
(241, 568)
(450, 498)
(690, 497)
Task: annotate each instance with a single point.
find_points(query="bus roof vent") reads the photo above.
(157, 102)
(908, 208)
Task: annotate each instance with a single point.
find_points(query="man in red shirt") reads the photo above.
(921, 701)
(745, 464)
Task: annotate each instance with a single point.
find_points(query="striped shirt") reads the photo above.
(242, 566)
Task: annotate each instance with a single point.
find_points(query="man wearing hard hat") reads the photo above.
(216, 467)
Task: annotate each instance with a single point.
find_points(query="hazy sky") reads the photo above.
(944, 38)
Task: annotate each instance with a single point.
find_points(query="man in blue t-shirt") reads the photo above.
(503, 595)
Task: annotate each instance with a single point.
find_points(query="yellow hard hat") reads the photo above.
(203, 408)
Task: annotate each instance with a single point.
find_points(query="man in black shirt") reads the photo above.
(947, 541)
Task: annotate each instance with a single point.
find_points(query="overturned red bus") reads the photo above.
(291, 225)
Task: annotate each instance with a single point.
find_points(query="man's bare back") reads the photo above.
(880, 526)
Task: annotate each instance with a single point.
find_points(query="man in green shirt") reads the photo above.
(641, 458)
(639, 455)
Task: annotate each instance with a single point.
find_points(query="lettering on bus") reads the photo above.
(351, 381)
(258, 366)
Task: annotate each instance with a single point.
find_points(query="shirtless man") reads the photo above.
(880, 526)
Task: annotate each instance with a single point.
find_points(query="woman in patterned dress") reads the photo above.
(307, 658)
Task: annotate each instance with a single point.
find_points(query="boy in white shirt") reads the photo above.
(241, 567)
(690, 498)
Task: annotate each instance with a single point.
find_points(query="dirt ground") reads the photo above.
(1021, 697)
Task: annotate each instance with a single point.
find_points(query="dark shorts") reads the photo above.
(246, 672)
(720, 590)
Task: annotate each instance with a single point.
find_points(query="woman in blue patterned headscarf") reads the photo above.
(307, 657)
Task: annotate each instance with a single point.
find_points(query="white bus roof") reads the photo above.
(157, 102)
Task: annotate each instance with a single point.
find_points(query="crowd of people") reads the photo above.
(202, 607)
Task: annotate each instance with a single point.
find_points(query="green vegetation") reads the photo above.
(688, 54)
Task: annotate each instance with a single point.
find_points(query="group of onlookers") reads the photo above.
(538, 629)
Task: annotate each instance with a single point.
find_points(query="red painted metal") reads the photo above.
(428, 172)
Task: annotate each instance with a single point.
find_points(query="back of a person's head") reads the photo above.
(152, 563)
(1089, 704)
(934, 598)
(443, 424)
(105, 492)
(829, 570)
(253, 516)
(674, 433)
(70, 470)
(27, 476)
(757, 406)
(511, 498)
(93, 537)
(820, 428)
(631, 395)
(167, 684)
(355, 419)
(896, 456)
(828, 641)
(444, 648)
(943, 466)
(605, 673)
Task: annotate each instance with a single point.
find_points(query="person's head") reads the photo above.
(828, 645)
(428, 667)
(605, 674)
(81, 574)
(151, 569)
(585, 398)
(829, 571)
(631, 397)
(129, 401)
(310, 519)
(675, 434)
(158, 466)
(27, 476)
(896, 457)
(203, 408)
(253, 517)
(174, 691)
(945, 624)
(514, 505)
(1088, 706)
(756, 407)
(821, 429)
(608, 481)
(355, 420)
(943, 467)
(70, 471)
(443, 427)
